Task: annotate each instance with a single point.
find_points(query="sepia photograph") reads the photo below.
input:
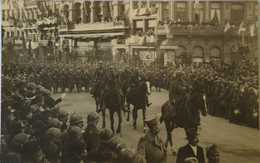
(133, 81)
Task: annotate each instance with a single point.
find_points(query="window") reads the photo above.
(18, 33)
(181, 11)
(237, 13)
(256, 11)
(12, 34)
(3, 14)
(201, 12)
(135, 4)
(215, 9)
(143, 4)
(166, 11)
(66, 11)
(8, 34)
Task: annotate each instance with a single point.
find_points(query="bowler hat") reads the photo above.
(106, 135)
(92, 116)
(152, 122)
(191, 133)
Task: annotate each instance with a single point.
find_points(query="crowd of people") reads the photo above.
(35, 129)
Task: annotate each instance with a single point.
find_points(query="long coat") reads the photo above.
(186, 151)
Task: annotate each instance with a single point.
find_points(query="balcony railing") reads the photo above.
(197, 30)
(95, 26)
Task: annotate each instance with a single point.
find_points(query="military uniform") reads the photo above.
(153, 148)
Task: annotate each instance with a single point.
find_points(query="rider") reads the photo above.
(179, 93)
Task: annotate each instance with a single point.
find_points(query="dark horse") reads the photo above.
(188, 115)
(138, 98)
(97, 92)
(113, 102)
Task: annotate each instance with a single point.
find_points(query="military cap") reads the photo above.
(56, 132)
(92, 116)
(31, 87)
(63, 114)
(152, 122)
(211, 150)
(54, 122)
(127, 155)
(74, 119)
(75, 131)
(106, 135)
(18, 140)
(191, 133)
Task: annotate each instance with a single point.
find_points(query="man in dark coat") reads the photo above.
(191, 149)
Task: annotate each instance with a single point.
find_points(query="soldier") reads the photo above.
(151, 146)
(91, 135)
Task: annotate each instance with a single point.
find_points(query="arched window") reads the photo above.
(215, 53)
(87, 10)
(197, 54)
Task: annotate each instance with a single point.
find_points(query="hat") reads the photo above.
(191, 133)
(54, 122)
(18, 140)
(74, 131)
(191, 160)
(152, 122)
(106, 135)
(100, 62)
(212, 150)
(56, 132)
(30, 147)
(92, 116)
(31, 88)
(74, 119)
(63, 114)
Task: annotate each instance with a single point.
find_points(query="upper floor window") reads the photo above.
(200, 13)
(66, 11)
(237, 13)
(3, 15)
(166, 11)
(135, 4)
(181, 11)
(143, 4)
(215, 9)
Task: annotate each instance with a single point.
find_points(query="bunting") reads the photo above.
(241, 27)
(215, 21)
(227, 27)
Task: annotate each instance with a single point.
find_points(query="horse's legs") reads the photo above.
(169, 129)
(104, 117)
(119, 122)
(112, 120)
(134, 117)
(144, 117)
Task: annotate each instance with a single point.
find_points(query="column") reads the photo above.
(83, 15)
(70, 12)
(92, 12)
(207, 11)
(115, 9)
(190, 10)
(172, 10)
(160, 11)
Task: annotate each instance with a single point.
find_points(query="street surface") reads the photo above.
(237, 144)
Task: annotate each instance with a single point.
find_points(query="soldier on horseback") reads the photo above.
(179, 94)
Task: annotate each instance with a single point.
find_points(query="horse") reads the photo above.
(113, 102)
(138, 98)
(187, 116)
(98, 91)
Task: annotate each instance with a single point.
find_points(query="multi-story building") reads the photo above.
(148, 31)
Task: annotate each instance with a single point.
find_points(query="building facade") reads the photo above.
(136, 31)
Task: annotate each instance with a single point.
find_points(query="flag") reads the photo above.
(227, 27)
(252, 30)
(241, 27)
(215, 21)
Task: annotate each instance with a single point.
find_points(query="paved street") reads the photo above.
(236, 143)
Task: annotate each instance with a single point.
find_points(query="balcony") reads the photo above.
(198, 30)
(100, 26)
(141, 40)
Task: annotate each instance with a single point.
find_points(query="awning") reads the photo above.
(88, 36)
(168, 44)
